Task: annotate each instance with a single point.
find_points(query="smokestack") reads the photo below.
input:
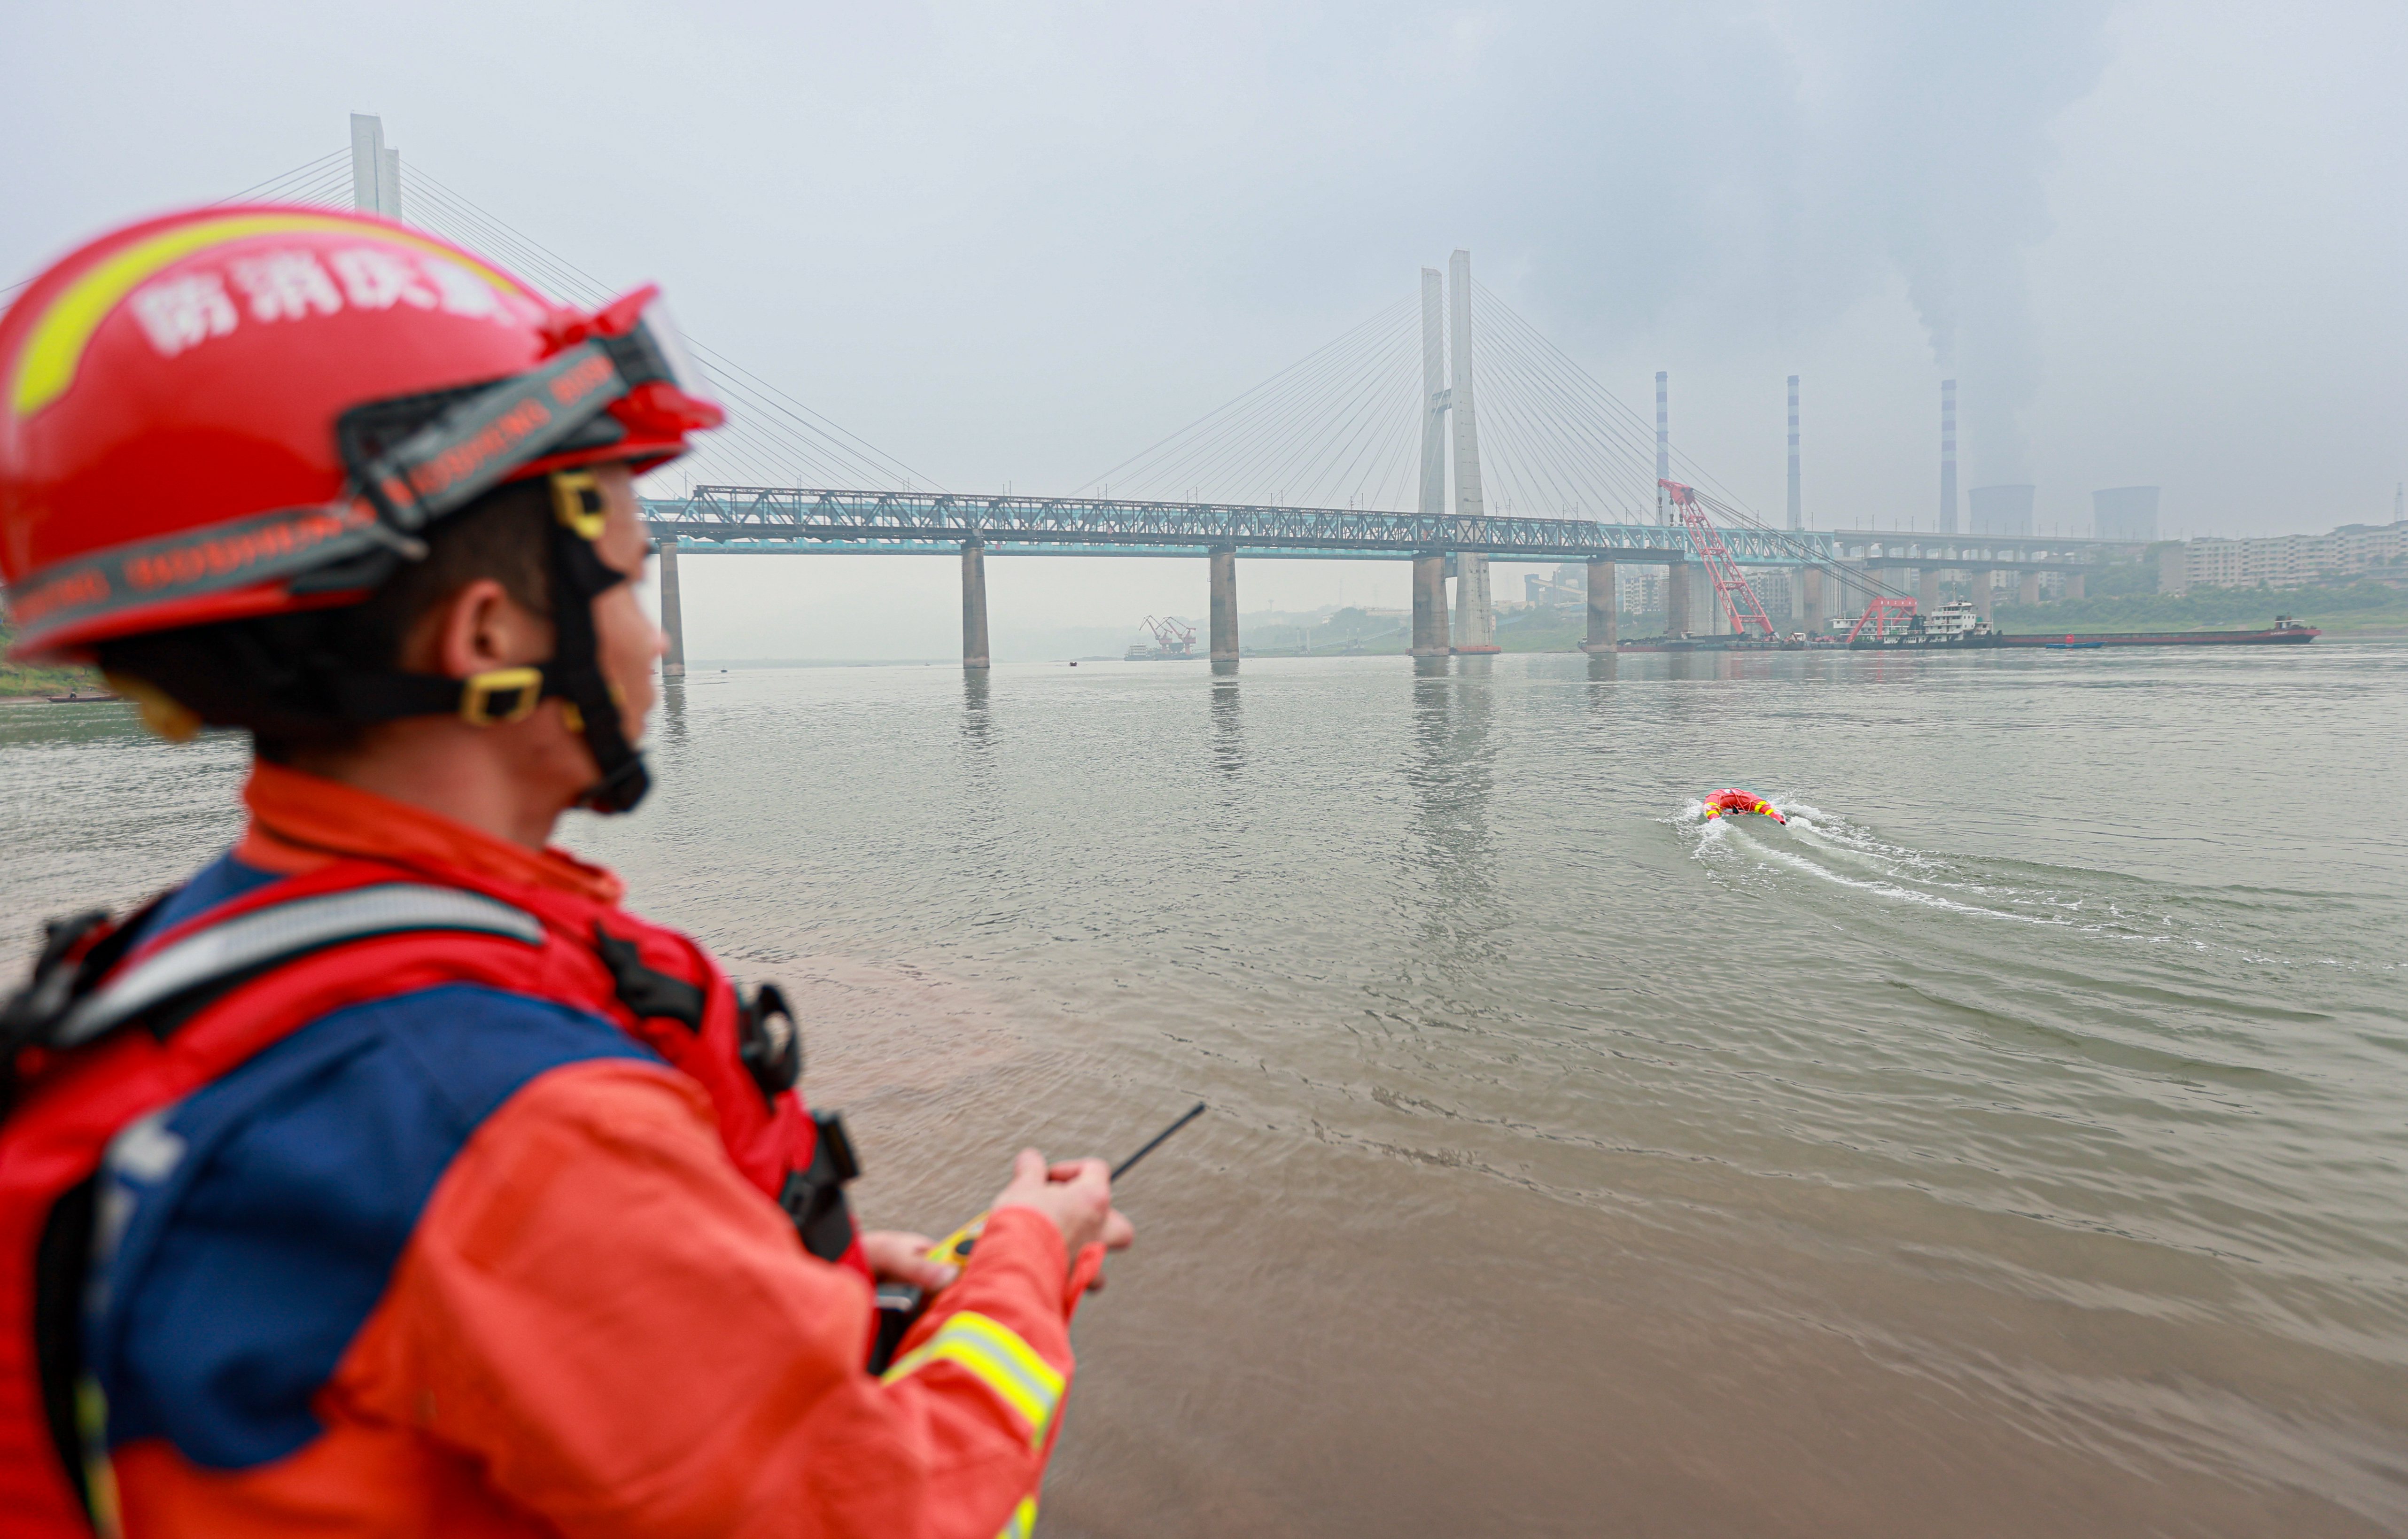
(1797, 504)
(1663, 443)
(1947, 456)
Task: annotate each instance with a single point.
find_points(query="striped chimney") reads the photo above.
(1947, 456)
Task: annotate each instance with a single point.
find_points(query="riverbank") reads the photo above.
(2359, 609)
(19, 684)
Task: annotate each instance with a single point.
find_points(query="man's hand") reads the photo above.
(897, 1256)
(1077, 1196)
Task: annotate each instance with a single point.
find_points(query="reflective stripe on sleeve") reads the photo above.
(999, 1360)
(1024, 1520)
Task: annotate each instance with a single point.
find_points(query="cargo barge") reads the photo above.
(1955, 627)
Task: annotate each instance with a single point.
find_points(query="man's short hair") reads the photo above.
(274, 675)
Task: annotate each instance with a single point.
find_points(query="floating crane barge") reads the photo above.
(1892, 622)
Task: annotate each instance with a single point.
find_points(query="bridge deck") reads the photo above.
(793, 520)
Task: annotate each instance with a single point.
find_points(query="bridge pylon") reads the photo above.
(1475, 615)
(1435, 395)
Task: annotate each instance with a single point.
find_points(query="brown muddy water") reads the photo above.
(2018, 1144)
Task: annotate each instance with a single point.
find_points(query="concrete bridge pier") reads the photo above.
(2027, 591)
(1814, 609)
(974, 651)
(1601, 636)
(1927, 597)
(1676, 599)
(1475, 614)
(1980, 577)
(672, 611)
(1224, 603)
(2074, 584)
(1429, 604)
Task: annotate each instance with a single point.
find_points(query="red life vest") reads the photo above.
(117, 1023)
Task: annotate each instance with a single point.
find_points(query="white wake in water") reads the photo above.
(1830, 848)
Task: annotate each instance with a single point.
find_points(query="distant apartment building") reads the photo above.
(1640, 589)
(2282, 561)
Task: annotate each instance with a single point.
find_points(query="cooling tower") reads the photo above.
(2002, 511)
(2124, 512)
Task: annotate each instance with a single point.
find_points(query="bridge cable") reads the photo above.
(1274, 425)
(836, 447)
(1241, 418)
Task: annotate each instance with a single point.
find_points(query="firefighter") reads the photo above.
(387, 1176)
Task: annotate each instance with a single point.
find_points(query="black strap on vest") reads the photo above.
(62, 1265)
(813, 1197)
(648, 993)
(65, 970)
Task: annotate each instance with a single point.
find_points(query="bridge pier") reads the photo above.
(1980, 577)
(1224, 603)
(1429, 604)
(1676, 599)
(2074, 584)
(672, 611)
(1475, 614)
(1601, 636)
(1927, 597)
(1814, 609)
(974, 652)
(2027, 591)
(1706, 599)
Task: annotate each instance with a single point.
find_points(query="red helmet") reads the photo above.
(236, 411)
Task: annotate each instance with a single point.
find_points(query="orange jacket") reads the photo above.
(598, 1327)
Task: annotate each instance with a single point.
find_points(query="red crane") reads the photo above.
(1877, 613)
(1739, 600)
(1171, 638)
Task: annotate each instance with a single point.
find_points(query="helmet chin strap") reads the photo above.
(577, 577)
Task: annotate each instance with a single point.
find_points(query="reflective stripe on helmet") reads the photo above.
(996, 1357)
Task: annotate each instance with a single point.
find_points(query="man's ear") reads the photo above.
(479, 627)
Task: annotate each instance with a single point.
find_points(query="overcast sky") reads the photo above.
(2155, 242)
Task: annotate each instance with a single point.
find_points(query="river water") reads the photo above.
(2013, 1145)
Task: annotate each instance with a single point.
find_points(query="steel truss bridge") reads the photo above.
(770, 520)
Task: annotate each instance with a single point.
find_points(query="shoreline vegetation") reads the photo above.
(2363, 609)
(2357, 608)
(19, 683)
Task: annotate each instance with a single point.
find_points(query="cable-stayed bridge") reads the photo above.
(1444, 429)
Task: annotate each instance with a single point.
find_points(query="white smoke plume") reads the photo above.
(1931, 122)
